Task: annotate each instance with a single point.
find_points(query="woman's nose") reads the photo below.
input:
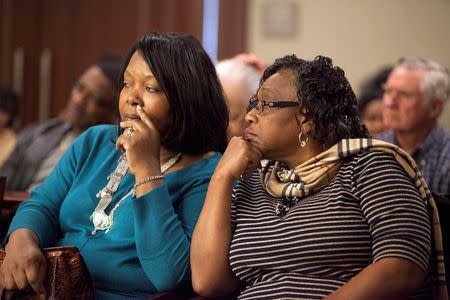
(250, 117)
(134, 98)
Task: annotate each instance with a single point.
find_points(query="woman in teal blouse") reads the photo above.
(130, 202)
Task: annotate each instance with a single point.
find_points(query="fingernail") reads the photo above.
(121, 123)
(139, 107)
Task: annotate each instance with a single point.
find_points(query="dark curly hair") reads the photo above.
(326, 98)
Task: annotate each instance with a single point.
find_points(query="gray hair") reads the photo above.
(436, 83)
(246, 75)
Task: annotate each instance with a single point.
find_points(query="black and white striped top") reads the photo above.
(370, 211)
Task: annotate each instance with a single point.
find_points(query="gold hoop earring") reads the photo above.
(302, 142)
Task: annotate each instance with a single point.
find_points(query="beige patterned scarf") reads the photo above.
(314, 174)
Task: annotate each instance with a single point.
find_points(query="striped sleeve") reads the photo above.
(397, 216)
(233, 210)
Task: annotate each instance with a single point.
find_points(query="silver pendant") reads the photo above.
(101, 221)
(99, 218)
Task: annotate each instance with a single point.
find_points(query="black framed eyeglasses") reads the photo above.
(253, 103)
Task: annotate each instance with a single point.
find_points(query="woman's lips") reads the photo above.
(131, 116)
(248, 134)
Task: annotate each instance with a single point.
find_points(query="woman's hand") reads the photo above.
(141, 146)
(240, 158)
(24, 265)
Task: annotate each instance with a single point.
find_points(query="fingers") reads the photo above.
(8, 281)
(253, 163)
(20, 279)
(254, 156)
(121, 143)
(139, 125)
(15, 277)
(137, 130)
(254, 153)
(36, 278)
(145, 118)
(241, 158)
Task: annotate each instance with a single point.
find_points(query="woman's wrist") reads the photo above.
(222, 176)
(149, 169)
(22, 236)
(147, 186)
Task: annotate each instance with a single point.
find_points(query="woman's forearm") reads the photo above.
(388, 278)
(211, 273)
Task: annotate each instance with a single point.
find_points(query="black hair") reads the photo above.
(326, 98)
(110, 64)
(9, 104)
(373, 88)
(186, 75)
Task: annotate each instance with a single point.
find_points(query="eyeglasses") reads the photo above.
(253, 103)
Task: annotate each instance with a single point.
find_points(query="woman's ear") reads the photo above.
(306, 126)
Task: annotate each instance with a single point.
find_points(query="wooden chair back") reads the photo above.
(2, 190)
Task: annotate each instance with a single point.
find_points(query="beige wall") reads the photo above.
(360, 35)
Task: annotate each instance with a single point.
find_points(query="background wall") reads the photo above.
(57, 39)
(360, 35)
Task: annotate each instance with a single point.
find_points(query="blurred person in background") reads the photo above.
(92, 101)
(370, 102)
(8, 113)
(414, 98)
(239, 77)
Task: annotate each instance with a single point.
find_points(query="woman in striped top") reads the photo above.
(319, 210)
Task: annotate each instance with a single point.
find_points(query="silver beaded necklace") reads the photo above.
(99, 218)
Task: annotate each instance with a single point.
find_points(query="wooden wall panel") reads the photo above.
(6, 9)
(77, 32)
(172, 15)
(58, 28)
(232, 28)
(25, 35)
(83, 32)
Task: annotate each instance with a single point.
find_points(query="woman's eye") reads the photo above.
(150, 89)
(126, 84)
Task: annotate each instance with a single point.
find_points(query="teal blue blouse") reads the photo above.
(147, 248)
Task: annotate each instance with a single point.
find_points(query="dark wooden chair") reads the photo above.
(2, 193)
(443, 205)
(9, 201)
(2, 188)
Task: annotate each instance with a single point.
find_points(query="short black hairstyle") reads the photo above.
(326, 98)
(373, 87)
(9, 103)
(186, 75)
